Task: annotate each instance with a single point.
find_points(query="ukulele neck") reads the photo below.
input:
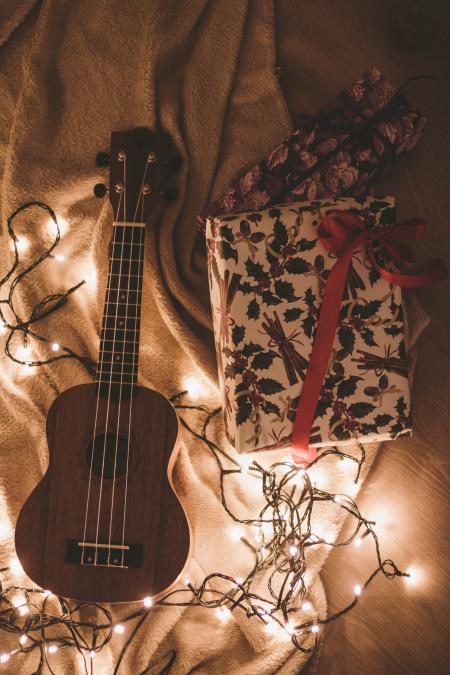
(117, 368)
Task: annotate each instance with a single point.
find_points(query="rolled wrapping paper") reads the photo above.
(268, 272)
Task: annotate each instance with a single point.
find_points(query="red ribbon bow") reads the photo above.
(343, 232)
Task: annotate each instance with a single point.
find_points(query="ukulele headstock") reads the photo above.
(141, 162)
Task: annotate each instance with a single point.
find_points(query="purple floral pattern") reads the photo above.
(338, 152)
(267, 272)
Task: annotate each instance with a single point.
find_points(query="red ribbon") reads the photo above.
(343, 233)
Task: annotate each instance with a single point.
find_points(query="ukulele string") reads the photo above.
(135, 346)
(110, 383)
(99, 378)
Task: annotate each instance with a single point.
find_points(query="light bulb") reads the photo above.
(245, 464)
(59, 257)
(307, 606)
(187, 581)
(358, 541)
(223, 613)
(346, 464)
(315, 628)
(415, 576)
(47, 593)
(25, 352)
(293, 551)
(23, 639)
(52, 649)
(236, 533)
(194, 386)
(290, 627)
(5, 529)
(55, 346)
(15, 566)
(4, 658)
(339, 499)
(118, 628)
(22, 244)
(23, 610)
(271, 626)
(92, 653)
(352, 489)
(2, 328)
(357, 590)
(63, 225)
(148, 602)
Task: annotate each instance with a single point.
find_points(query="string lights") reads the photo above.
(281, 536)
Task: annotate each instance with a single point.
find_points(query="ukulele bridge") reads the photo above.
(101, 554)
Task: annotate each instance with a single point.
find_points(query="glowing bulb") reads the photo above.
(240, 580)
(187, 581)
(346, 464)
(352, 489)
(315, 628)
(91, 278)
(264, 550)
(357, 589)
(24, 352)
(293, 551)
(15, 566)
(148, 602)
(339, 499)
(415, 576)
(23, 609)
(60, 258)
(290, 627)
(271, 626)
(22, 244)
(318, 477)
(63, 225)
(118, 628)
(52, 649)
(92, 653)
(23, 639)
(235, 533)
(358, 541)
(245, 464)
(329, 537)
(223, 613)
(194, 386)
(307, 606)
(47, 593)
(4, 658)
(2, 328)
(5, 529)
(56, 347)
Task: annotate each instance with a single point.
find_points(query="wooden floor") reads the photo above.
(398, 627)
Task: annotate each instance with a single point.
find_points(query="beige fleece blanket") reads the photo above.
(71, 71)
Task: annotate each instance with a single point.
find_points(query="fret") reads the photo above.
(122, 353)
(114, 342)
(108, 371)
(122, 334)
(119, 282)
(113, 323)
(118, 296)
(127, 379)
(126, 315)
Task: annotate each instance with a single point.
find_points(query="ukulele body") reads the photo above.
(136, 521)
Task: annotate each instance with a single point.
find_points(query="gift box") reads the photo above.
(268, 271)
(340, 151)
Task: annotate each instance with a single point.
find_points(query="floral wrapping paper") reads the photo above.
(267, 272)
(340, 151)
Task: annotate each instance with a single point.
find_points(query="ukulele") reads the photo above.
(104, 524)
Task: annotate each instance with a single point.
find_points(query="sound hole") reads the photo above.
(110, 450)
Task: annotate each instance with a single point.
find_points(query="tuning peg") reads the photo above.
(175, 162)
(170, 193)
(102, 159)
(100, 190)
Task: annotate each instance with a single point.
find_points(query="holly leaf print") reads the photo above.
(243, 413)
(256, 237)
(393, 330)
(280, 232)
(237, 334)
(308, 325)
(346, 338)
(292, 314)
(270, 299)
(226, 233)
(368, 310)
(251, 348)
(254, 269)
(245, 287)
(268, 386)
(285, 290)
(297, 266)
(253, 309)
(244, 227)
(226, 251)
(383, 420)
(270, 407)
(348, 387)
(373, 276)
(263, 360)
(367, 336)
(360, 409)
(323, 406)
(400, 406)
(309, 297)
(306, 244)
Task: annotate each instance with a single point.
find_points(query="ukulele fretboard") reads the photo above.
(119, 346)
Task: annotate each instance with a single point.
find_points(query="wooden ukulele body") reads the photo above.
(138, 509)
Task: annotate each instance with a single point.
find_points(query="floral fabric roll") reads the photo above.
(340, 151)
